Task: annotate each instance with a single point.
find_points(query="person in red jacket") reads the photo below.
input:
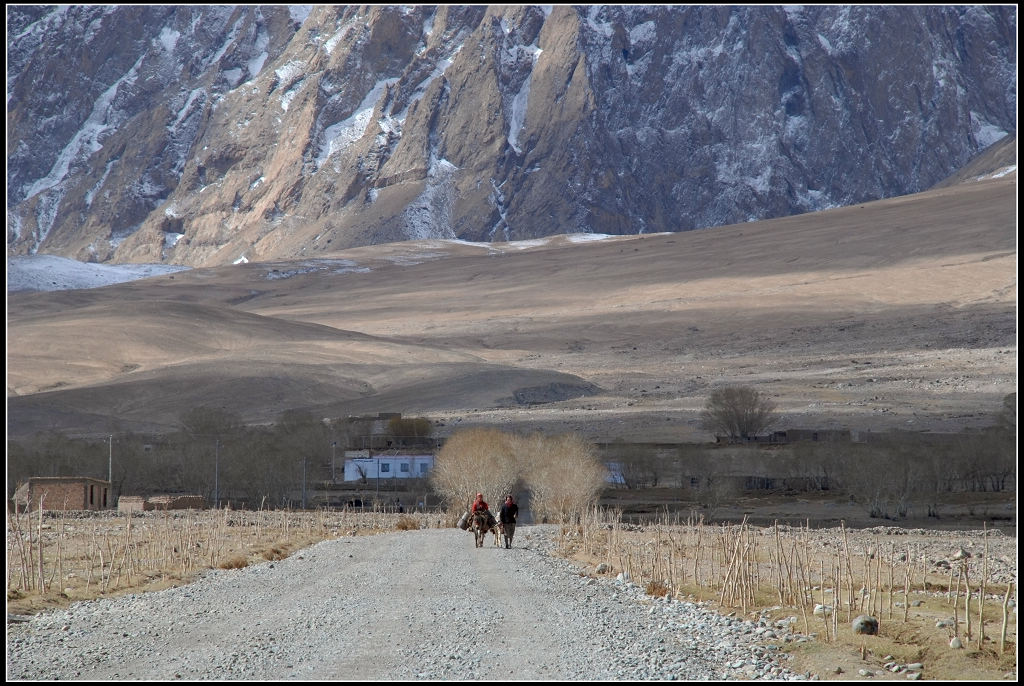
(480, 506)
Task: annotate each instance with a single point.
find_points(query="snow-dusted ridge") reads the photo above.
(52, 273)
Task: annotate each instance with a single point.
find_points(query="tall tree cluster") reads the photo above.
(563, 475)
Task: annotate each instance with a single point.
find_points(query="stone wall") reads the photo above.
(138, 503)
(132, 503)
(176, 502)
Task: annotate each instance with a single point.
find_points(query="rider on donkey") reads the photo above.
(480, 506)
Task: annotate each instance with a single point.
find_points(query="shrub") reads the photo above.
(407, 523)
(236, 562)
(274, 553)
(657, 589)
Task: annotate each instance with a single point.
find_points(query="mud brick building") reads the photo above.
(63, 493)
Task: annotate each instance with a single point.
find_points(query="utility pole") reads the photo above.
(216, 474)
(334, 446)
(110, 462)
(303, 483)
(368, 453)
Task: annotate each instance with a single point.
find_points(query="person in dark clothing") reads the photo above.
(507, 517)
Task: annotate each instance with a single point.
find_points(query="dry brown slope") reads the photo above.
(994, 159)
(888, 313)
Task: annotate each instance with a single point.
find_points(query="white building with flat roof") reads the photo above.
(359, 465)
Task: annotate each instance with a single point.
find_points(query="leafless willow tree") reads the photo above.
(479, 460)
(564, 475)
(738, 412)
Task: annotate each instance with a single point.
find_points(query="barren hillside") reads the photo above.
(898, 313)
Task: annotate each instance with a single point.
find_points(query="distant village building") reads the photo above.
(795, 436)
(63, 493)
(615, 474)
(371, 431)
(383, 431)
(818, 435)
(360, 465)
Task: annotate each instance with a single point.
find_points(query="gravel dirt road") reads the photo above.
(400, 606)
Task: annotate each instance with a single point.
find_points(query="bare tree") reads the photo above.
(637, 465)
(814, 466)
(1006, 418)
(739, 412)
(564, 476)
(478, 460)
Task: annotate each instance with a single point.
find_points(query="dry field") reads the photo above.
(924, 587)
(62, 557)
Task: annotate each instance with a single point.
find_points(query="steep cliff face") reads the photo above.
(208, 135)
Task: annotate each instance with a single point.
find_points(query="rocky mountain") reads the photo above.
(204, 135)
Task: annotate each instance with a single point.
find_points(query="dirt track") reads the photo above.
(413, 605)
